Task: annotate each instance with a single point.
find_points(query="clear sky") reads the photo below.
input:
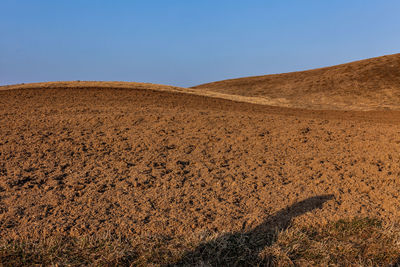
(188, 42)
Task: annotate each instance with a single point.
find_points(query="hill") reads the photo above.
(136, 176)
(369, 84)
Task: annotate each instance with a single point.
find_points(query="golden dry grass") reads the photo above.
(355, 242)
(369, 84)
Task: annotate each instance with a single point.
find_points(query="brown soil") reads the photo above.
(369, 84)
(140, 163)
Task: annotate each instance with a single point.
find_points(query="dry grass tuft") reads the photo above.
(98, 251)
(356, 242)
(68, 251)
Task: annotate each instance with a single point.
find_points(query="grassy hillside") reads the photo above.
(362, 85)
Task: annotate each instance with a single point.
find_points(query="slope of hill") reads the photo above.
(362, 85)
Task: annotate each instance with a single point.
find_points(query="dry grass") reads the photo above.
(67, 251)
(97, 251)
(356, 242)
(369, 84)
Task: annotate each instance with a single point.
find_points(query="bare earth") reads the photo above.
(139, 163)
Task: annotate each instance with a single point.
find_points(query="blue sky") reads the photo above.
(187, 42)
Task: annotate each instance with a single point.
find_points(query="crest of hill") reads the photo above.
(370, 84)
(91, 84)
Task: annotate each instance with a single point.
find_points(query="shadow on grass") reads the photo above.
(243, 248)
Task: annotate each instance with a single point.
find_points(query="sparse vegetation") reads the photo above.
(360, 241)
(370, 88)
(67, 251)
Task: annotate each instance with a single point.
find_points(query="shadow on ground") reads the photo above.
(243, 248)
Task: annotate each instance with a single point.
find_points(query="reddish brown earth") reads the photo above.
(370, 84)
(142, 163)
